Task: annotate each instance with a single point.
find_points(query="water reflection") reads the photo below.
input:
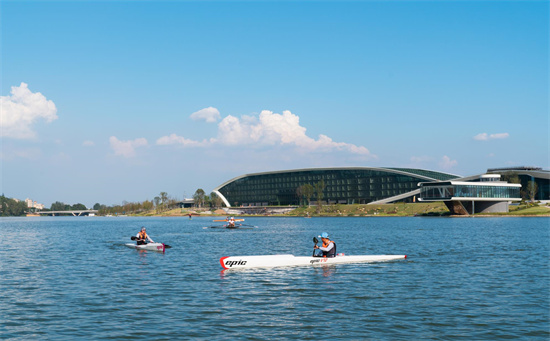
(328, 270)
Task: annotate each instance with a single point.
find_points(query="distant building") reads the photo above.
(489, 195)
(33, 204)
(350, 185)
(186, 203)
(369, 185)
(525, 174)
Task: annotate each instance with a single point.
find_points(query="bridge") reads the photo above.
(76, 213)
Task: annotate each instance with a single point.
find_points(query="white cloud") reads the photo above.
(20, 110)
(126, 148)
(278, 129)
(266, 129)
(175, 139)
(499, 136)
(481, 137)
(486, 137)
(446, 163)
(210, 115)
(88, 143)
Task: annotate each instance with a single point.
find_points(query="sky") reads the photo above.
(113, 101)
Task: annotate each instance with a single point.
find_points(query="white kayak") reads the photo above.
(242, 262)
(160, 247)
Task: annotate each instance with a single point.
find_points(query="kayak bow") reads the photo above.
(240, 262)
(160, 247)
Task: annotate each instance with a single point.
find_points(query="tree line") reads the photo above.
(12, 208)
(164, 202)
(160, 203)
(306, 192)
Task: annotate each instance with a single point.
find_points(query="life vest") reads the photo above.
(142, 235)
(330, 253)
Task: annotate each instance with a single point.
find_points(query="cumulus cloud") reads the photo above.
(88, 143)
(486, 137)
(447, 163)
(22, 109)
(180, 140)
(267, 129)
(278, 129)
(210, 115)
(126, 148)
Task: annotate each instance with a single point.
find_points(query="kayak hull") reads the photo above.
(160, 247)
(245, 262)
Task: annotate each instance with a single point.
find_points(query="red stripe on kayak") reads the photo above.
(221, 262)
(405, 256)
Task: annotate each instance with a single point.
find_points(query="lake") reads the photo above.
(71, 278)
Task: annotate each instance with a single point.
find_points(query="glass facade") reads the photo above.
(344, 186)
(448, 191)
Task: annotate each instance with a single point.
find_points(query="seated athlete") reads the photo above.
(143, 237)
(328, 248)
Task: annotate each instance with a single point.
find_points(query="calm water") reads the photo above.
(67, 278)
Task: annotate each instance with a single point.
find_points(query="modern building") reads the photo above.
(350, 185)
(488, 195)
(186, 203)
(540, 177)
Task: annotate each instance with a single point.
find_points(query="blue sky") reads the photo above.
(118, 101)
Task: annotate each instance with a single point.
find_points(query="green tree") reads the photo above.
(11, 207)
(148, 205)
(97, 206)
(156, 200)
(319, 188)
(216, 200)
(511, 177)
(78, 207)
(308, 191)
(199, 197)
(163, 201)
(59, 206)
(532, 189)
(300, 194)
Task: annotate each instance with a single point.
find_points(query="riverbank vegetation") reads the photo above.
(432, 209)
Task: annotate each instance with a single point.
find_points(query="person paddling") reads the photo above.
(328, 248)
(143, 237)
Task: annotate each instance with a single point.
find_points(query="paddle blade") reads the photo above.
(315, 240)
(133, 237)
(167, 246)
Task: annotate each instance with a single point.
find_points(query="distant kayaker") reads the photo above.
(328, 248)
(143, 237)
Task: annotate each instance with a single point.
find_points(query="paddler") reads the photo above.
(143, 237)
(231, 222)
(328, 248)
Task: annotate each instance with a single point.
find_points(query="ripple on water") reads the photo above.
(464, 279)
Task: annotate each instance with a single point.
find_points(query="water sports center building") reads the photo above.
(370, 185)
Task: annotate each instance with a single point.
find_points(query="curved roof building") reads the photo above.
(349, 185)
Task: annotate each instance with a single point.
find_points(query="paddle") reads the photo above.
(136, 238)
(315, 240)
(247, 225)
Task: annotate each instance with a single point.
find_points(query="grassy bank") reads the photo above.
(386, 210)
